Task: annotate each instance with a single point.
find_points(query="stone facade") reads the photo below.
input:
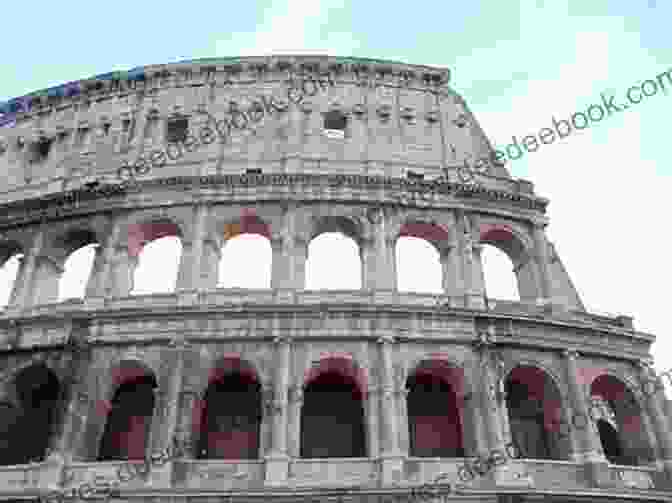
(288, 394)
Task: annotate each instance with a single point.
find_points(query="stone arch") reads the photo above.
(322, 234)
(518, 248)
(141, 234)
(334, 391)
(129, 411)
(611, 396)
(435, 405)
(228, 417)
(424, 242)
(68, 243)
(248, 227)
(536, 411)
(30, 412)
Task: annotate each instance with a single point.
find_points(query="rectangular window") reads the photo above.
(177, 129)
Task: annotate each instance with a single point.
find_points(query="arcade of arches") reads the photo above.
(154, 261)
(227, 422)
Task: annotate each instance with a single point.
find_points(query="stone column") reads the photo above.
(474, 284)
(184, 423)
(392, 461)
(122, 268)
(543, 262)
(94, 285)
(209, 269)
(277, 461)
(377, 254)
(290, 252)
(105, 282)
(164, 422)
(655, 410)
(22, 295)
(370, 400)
(451, 263)
(587, 438)
(45, 280)
(189, 275)
(71, 416)
(492, 398)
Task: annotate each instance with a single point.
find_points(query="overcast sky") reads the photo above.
(518, 64)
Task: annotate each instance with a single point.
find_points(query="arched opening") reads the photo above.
(332, 417)
(158, 266)
(435, 411)
(610, 442)
(418, 266)
(615, 405)
(9, 272)
(78, 248)
(231, 417)
(508, 270)
(246, 255)
(535, 414)
(77, 270)
(499, 277)
(130, 416)
(27, 425)
(419, 250)
(333, 262)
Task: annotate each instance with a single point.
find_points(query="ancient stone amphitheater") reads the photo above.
(288, 394)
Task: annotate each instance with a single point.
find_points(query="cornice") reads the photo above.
(74, 202)
(233, 69)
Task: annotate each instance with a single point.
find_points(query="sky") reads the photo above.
(518, 64)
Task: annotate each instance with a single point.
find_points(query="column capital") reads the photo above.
(386, 339)
(283, 339)
(572, 354)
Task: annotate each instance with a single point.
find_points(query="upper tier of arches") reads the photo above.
(322, 247)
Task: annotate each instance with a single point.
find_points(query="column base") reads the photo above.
(277, 470)
(94, 303)
(392, 468)
(597, 474)
(187, 298)
(474, 301)
(52, 471)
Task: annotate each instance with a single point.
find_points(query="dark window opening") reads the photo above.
(332, 418)
(253, 171)
(435, 428)
(412, 175)
(232, 419)
(177, 130)
(41, 149)
(526, 417)
(129, 421)
(335, 121)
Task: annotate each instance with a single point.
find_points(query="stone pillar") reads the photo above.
(188, 400)
(474, 284)
(377, 253)
(108, 278)
(370, 401)
(122, 268)
(587, 438)
(164, 421)
(277, 461)
(23, 289)
(209, 268)
(290, 252)
(655, 410)
(492, 399)
(543, 262)
(71, 415)
(189, 275)
(392, 461)
(45, 280)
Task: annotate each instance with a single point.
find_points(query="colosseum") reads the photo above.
(205, 394)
